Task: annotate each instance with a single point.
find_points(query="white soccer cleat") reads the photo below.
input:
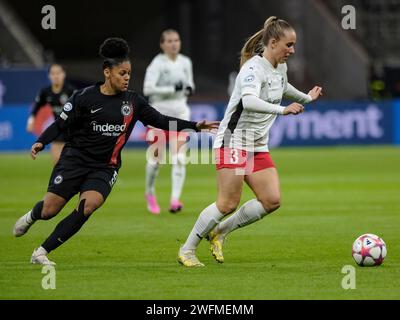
(188, 258)
(39, 256)
(23, 224)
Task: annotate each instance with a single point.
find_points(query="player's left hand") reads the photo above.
(36, 148)
(207, 125)
(315, 93)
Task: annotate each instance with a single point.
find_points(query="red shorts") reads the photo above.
(249, 162)
(154, 135)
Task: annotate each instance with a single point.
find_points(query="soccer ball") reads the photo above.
(369, 250)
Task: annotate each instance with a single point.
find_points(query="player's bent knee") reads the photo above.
(271, 204)
(227, 207)
(88, 206)
(50, 210)
(274, 206)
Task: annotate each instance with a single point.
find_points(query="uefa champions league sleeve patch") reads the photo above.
(67, 107)
(249, 78)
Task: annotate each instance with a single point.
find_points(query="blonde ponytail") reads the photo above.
(273, 28)
(252, 46)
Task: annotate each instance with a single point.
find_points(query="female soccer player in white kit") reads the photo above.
(241, 144)
(168, 82)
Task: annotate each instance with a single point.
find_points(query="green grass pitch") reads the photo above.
(329, 197)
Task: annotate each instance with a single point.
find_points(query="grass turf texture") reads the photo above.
(329, 197)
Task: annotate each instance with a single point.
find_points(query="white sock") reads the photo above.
(248, 213)
(29, 217)
(178, 175)
(151, 175)
(206, 221)
(41, 251)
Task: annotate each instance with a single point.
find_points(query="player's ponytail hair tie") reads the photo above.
(114, 51)
(274, 28)
(270, 21)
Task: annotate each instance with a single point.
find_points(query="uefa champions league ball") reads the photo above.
(369, 250)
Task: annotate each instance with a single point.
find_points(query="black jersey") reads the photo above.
(99, 125)
(55, 100)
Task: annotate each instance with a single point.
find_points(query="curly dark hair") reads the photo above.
(114, 51)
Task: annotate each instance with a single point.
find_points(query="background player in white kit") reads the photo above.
(168, 82)
(241, 144)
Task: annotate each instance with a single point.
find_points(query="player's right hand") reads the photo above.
(315, 93)
(36, 148)
(294, 108)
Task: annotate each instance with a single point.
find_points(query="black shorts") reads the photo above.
(68, 179)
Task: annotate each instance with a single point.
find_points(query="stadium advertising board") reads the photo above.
(323, 123)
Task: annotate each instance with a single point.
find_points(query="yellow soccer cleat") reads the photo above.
(216, 243)
(188, 258)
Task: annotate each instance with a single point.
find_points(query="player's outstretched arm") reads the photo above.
(296, 95)
(35, 149)
(150, 116)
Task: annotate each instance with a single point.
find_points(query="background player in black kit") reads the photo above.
(100, 119)
(55, 95)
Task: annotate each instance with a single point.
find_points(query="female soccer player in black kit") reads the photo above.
(56, 95)
(99, 119)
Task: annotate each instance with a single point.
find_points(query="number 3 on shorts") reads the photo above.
(234, 156)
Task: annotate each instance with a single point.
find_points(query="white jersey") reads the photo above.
(249, 130)
(159, 84)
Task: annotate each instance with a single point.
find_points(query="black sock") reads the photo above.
(66, 228)
(36, 213)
